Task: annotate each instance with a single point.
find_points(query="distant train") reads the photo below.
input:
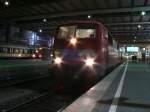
(15, 51)
(19, 51)
(82, 53)
(37, 53)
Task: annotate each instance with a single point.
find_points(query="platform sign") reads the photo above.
(132, 49)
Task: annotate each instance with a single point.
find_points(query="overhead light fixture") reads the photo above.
(143, 13)
(44, 20)
(139, 26)
(89, 16)
(40, 30)
(6, 3)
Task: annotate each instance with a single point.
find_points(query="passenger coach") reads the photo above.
(15, 51)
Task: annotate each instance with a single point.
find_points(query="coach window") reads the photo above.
(11, 50)
(21, 51)
(16, 51)
(0, 49)
(8, 50)
(5, 50)
(25, 51)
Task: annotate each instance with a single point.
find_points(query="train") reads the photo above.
(11, 51)
(37, 53)
(82, 53)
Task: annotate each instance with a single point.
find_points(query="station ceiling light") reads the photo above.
(40, 30)
(6, 3)
(139, 26)
(44, 20)
(143, 13)
(89, 16)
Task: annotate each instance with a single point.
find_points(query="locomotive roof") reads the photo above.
(84, 22)
(14, 46)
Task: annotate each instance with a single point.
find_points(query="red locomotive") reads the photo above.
(83, 52)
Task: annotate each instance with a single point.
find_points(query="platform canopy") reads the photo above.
(127, 20)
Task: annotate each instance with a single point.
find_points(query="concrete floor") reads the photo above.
(126, 89)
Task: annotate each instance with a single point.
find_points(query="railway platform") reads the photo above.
(126, 89)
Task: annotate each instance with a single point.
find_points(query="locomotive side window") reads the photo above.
(78, 31)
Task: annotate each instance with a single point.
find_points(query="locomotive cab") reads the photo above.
(80, 53)
(76, 44)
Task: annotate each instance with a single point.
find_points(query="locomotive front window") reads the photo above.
(78, 31)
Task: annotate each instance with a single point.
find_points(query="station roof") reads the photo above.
(127, 20)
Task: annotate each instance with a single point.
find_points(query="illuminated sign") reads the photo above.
(132, 49)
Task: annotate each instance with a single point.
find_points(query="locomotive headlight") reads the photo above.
(89, 62)
(37, 51)
(73, 41)
(58, 60)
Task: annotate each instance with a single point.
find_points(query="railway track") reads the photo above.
(46, 103)
(14, 104)
(33, 96)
